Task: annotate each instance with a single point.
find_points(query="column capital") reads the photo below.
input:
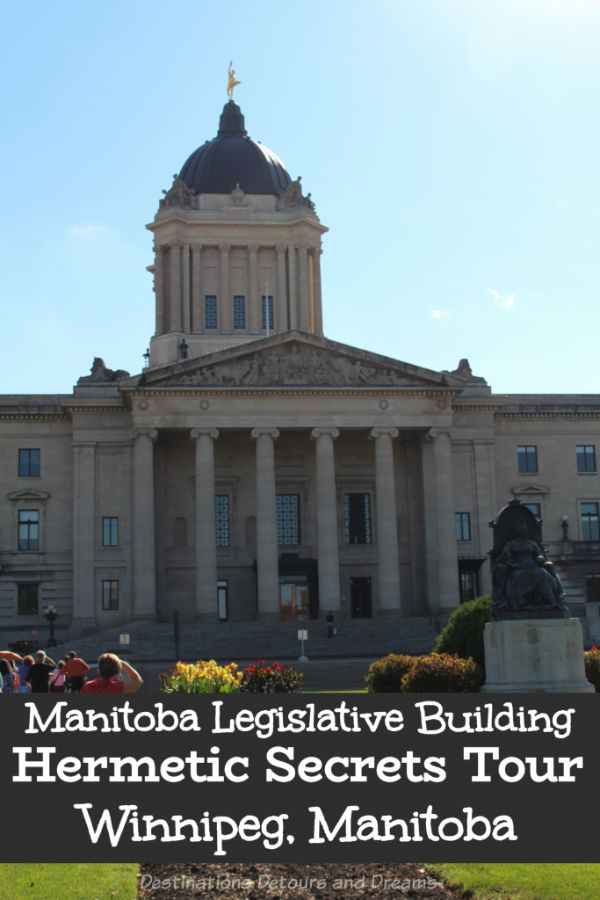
(325, 432)
(281, 248)
(151, 433)
(256, 433)
(176, 243)
(380, 432)
(436, 432)
(196, 246)
(196, 433)
(224, 247)
(253, 248)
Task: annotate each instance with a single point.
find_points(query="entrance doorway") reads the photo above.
(360, 598)
(294, 597)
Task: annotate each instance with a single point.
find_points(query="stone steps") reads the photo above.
(259, 640)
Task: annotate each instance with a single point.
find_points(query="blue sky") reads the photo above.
(451, 147)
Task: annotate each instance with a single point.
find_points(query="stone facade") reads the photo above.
(257, 470)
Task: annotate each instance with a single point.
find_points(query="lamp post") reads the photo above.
(51, 615)
(183, 349)
(564, 524)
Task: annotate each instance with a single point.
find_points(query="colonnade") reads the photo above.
(180, 286)
(441, 544)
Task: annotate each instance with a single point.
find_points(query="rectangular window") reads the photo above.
(589, 522)
(29, 463)
(239, 312)
(534, 508)
(463, 526)
(267, 302)
(592, 588)
(222, 519)
(110, 594)
(527, 459)
(222, 600)
(288, 519)
(210, 312)
(28, 600)
(357, 518)
(29, 529)
(110, 531)
(586, 458)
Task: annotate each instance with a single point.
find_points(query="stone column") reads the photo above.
(253, 311)
(294, 320)
(266, 523)
(225, 314)
(280, 312)
(206, 541)
(186, 300)
(316, 254)
(327, 525)
(159, 289)
(84, 515)
(144, 565)
(303, 294)
(174, 323)
(485, 485)
(196, 317)
(387, 526)
(447, 564)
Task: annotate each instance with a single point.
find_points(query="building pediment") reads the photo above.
(295, 359)
(28, 496)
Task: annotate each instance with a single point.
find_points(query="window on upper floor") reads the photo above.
(28, 599)
(288, 519)
(267, 303)
(239, 312)
(210, 312)
(29, 463)
(586, 458)
(589, 522)
(29, 529)
(222, 519)
(110, 531)
(357, 518)
(463, 526)
(110, 593)
(527, 458)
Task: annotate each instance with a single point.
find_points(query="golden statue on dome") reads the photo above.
(232, 81)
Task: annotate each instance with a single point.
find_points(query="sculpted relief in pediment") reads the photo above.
(293, 366)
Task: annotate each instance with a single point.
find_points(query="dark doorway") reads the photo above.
(360, 598)
(468, 577)
(298, 587)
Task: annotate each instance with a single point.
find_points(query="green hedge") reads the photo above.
(463, 635)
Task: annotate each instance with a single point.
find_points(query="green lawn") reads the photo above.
(68, 881)
(524, 881)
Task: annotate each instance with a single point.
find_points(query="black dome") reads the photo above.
(233, 158)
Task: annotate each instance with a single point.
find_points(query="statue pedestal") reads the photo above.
(535, 655)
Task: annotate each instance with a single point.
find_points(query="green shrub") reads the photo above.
(443, 673)
(259, 678)
(463, 634)
(385, 675)
(592, 667)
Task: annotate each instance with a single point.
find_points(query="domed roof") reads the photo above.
(233, 158)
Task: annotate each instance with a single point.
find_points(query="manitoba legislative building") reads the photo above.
(257, 471)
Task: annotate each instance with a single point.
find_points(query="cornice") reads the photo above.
(292, 390)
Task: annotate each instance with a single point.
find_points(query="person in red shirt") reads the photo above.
(109, 667)
(74, 670)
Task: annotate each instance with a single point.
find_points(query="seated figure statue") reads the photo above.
(524, 583)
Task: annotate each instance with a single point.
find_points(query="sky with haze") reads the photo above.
(450, 146)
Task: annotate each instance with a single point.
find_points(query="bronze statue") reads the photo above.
(524, 583)
(232, 81)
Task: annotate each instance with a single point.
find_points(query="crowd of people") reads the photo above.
(39, 674)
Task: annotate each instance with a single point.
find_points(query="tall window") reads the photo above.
(288, 519)
(110, 531)
(29, 463)
(27, 600)
(586, 458)
(463, 526)
(222, 519)
(267, 303)
(527, 458)
(589, 522)
(29, 529)
(357, 518)
(210, 312)
(239, 312)
(110, 594)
